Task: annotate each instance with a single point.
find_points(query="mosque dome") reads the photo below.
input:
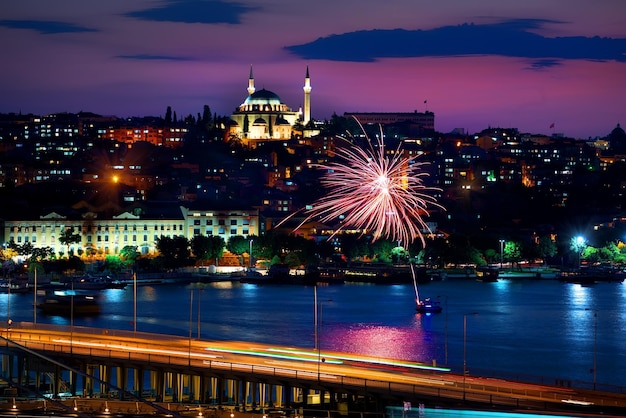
(263, 97)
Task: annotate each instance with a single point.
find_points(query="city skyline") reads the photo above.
(540, 67)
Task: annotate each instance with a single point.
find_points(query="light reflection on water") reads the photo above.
(539, 328)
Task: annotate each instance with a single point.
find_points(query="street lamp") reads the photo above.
(578, 244)
(501, 252)
(134, 301)
(320, 360)
(35, 298)
(9, 320)
(465, 349)
(595, 342)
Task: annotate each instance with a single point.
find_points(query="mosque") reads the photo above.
(264, 117)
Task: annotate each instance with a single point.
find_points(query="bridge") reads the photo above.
(79, 364)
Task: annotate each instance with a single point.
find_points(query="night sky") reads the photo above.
(542, 66)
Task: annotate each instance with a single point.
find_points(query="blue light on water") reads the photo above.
(398, 412)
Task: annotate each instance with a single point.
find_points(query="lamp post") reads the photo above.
(35, 298)
(465, 349)
(320, 360)
(190, 321)
(595, 342)
(501, 252)
(9, 320)
(134, 301)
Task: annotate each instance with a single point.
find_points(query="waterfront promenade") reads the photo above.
(314, 371)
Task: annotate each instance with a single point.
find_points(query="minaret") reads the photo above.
(251, 83)
(306, 113)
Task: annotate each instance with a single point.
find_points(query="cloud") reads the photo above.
(193, 11)
(45, 27)
(544, 63)
(511, 38)
(148, 57)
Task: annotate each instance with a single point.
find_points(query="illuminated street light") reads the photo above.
(578, 244)
(501, 252)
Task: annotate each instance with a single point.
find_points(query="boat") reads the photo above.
(93, 283)
(425, 306)
(381, 273)
(591, 275)
(252, 276)
(487, 274)
(428, 306)
(14, 286)
(70, 302)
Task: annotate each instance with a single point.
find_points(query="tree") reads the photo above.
(546, 248)
(206, 117)
(512, 252)
(42, 253)
(129, 255)
(207, 247)
(174, 251)
(114, 264)
(168, 115)
(238, 245)
(68, 237)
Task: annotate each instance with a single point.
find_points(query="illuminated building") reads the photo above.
(138, 226)
(263, 116)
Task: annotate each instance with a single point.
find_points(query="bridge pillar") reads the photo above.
(196, 388)
(57, 380)
(104, 379)
(159, 383)
(230, 390)
(219, 393)
(206, 388)
(138, 380)
(7, 366)
(73, 381)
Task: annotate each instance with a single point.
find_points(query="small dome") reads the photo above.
(260, 121)
(263, 97)
(282, 121)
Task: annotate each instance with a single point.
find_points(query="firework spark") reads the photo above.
(375, 192)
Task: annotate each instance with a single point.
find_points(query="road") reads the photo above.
(323, 368)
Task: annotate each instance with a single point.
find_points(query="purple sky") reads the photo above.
(525, 64)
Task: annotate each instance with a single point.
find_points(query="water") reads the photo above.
(514, 328)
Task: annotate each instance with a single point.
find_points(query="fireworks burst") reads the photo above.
(376, 192)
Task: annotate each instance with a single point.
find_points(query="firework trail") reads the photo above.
(378, 193)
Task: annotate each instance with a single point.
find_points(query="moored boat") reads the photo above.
(487, 274)
(14, 286)
(70, 302)
(591, 275)
(93, 283)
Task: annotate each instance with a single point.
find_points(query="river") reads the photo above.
(538, 330)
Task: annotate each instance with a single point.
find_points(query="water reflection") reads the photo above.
(532, 327)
